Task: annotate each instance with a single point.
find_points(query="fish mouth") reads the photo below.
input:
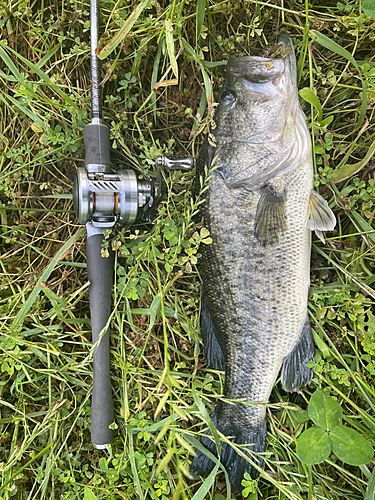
(277, 59)
(280, 48)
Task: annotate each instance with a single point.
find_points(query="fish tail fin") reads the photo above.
(251, 442)
(295, 371)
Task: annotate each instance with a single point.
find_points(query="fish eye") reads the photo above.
(228, 97)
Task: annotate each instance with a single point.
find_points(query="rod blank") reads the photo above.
(96, 101)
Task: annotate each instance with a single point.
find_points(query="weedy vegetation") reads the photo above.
(162, 66)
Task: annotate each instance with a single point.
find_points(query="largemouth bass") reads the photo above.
(260, 209)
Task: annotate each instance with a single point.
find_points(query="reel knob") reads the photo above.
(176, 162)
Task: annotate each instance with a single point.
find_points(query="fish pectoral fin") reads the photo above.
(295, 371)
(320, 217)
(270, 217)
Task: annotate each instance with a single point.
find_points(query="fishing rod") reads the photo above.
(103, 197)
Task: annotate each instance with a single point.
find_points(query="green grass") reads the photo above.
(163, 391)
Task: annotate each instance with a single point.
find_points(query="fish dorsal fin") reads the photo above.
(320, 217)
(270, 217)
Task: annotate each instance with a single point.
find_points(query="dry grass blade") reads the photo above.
(123, 31)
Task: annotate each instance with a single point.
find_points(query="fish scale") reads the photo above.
(260, 212)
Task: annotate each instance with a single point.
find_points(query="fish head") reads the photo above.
(259, 97)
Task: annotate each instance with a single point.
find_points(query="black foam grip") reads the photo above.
(100, 275)
(97, 150)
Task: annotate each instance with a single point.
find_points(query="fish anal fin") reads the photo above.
(320, 217)
(213, 353)
(252, 442)
(270, 217)
(295, 371)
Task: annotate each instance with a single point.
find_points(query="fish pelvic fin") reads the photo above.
(251, 442)
(270, 217)
(212, 351)
(295, 371)
(320, 217)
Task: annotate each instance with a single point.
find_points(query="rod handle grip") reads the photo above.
(100, 275)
